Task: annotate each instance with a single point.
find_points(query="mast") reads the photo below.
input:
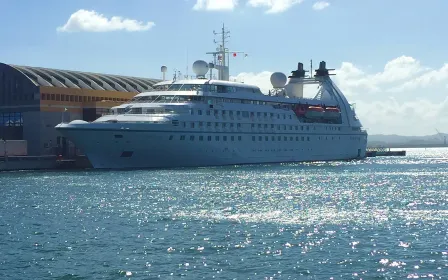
(222, 65)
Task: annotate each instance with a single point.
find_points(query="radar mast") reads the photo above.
(220, 59)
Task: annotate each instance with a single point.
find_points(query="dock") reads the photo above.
(13, 163)
(383, 152)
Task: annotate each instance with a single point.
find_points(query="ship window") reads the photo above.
(209, 124)
(284, 127)
(273, 138)
(209, 138)
(307, 138)
(303, 138)
(285, 138)
(238, 125)
(266, 138)
(260, 138)
(290, 127)
(200, 112)
(259, 126)
(297, 138)
(171, 137)
(224, 125)
(301, 127)
(182, 137)
(265, 115)
(290, 117)
(224, 138)
(216, 124)
(239, 138)
(258, 114)
(231, 113)
(192, 138)
(291, 138)
(200, 124)
(238, 113)
(279, 138)
(307, 128)
(253, 138)
(253, 125)
(201, 138)
(217, 138)
(231, 125)
(232, 138)
(208, 113)
(192, 125)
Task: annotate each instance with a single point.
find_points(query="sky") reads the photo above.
(390, 56)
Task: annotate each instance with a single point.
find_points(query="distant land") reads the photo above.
(399, 141)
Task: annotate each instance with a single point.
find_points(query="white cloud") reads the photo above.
(320, 5)
(403, 98)
(215, 5)
(274, 6)
(91, 21)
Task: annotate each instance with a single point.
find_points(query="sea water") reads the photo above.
(379, 218)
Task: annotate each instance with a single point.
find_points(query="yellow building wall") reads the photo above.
(53, 99)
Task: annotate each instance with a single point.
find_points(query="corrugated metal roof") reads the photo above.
(85, 80)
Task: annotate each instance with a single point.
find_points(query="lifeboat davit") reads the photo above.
(314, 112)
(299, 110)
(332, 113)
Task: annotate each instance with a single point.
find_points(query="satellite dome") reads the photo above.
(200, 68)
(163, 69)
(278, 80)
(211, 65)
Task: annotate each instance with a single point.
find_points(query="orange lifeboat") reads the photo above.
(332, 112)
(314, 112)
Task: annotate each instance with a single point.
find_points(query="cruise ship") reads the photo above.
(212, 122)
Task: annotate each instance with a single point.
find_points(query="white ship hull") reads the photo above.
(154, 149)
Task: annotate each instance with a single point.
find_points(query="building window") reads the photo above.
(11, 119)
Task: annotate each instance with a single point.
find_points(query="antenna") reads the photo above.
(223, 53)
(187, 65)
(163, 69)
(311, 69)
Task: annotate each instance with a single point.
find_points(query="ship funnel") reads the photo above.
(294, 88)
(323, 71)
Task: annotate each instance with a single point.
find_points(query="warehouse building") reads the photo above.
(33, 100)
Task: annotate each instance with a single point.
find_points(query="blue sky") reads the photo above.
(351, 35)
(363, 32)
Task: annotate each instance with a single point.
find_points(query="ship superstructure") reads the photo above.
(206, 122)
